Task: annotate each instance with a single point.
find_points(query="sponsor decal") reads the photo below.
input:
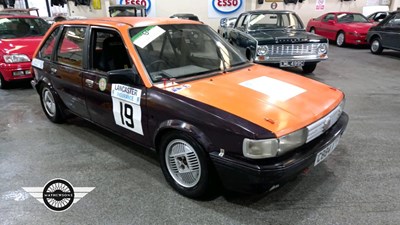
(276, 90)
(37, 63)
(58, 195)
(179, 88)
(147, 35)
(102, 84)
(126, 107)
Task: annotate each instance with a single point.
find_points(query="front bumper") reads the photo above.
(356, 40)
(278, 59)
(258, 176)
(7, 70)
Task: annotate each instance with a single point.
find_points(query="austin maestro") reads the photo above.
(176, 87)
(278, 37)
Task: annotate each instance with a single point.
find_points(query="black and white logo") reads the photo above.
(58, 194)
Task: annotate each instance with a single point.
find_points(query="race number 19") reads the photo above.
(126, 113)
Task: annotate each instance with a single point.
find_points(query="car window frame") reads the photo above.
(56, 40)
(326, 21)
(85, 43)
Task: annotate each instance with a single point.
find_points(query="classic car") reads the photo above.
(186, 16)
(341, 27)
(278, 37)
(20, 35)
(212, 116)
(226, 25)
(386, 34)
(378, 16)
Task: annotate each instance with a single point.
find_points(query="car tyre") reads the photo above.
(340, 39)
(376, 46)
(3, 83)
(312, 30)
(50, 105)
(186, 165)
(309, 67)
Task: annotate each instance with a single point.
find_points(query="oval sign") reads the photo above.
(146, 3)
(226, 6)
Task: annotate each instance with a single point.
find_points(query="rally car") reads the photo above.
(178, 88)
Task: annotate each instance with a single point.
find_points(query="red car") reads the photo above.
(19, 37)
(341, 27)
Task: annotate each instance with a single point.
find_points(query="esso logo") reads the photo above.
(226, 6)
(146, 3)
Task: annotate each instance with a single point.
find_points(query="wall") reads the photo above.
(87, 11)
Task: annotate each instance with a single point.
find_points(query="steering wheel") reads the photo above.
(156, 65)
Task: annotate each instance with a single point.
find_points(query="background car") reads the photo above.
(378, 16)
(208, 113)
(20, 35)
(386, 34)
(341, 27)
(127, 10)
(278, 37)
(186, 16)
(226, 25)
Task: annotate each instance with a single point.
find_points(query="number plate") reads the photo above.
(291, 63)
(326, 151)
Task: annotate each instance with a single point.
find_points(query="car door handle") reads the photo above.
(89, 83)
(53, 70)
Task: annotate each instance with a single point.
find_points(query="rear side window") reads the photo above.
(70, 49)
(329, 17)
(47, 49)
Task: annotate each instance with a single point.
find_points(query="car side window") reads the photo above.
(108, 51)
(329, 17)
(395, 21)
(47, 49)
(70, 49)
(240, 21)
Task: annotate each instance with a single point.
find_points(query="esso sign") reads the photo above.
(226, 6)
(146, 3)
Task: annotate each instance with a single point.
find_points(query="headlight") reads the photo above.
(262, 50)
(267, 148)
(323, 48)
(16, 58)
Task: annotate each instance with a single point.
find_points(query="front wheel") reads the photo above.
(51, 107)
(185, 165)
(340, 39)
(376, 46)
(3, 83)
(309, 67)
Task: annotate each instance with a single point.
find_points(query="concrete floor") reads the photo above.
(358, 184)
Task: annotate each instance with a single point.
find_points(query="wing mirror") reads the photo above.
(331, 22)
(124, 76)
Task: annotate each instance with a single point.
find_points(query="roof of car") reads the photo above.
(184, 14)
(132, 21)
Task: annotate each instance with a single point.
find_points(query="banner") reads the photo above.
(149, 4)
(225, 8)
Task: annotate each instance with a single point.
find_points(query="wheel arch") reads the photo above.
(373, 37)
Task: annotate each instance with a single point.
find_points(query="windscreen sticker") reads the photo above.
(37, 63)
(126, 107)
(179, 88)
(147, 35)
(275, 89)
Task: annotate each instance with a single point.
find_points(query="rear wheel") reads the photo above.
(376, 46)
(51, 107)
(309, 67)
(340, 39)
(3, 83)
(185, 165)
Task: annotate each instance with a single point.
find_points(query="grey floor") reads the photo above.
(358, 184)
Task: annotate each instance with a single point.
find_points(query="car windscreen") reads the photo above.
(183, 51)
(351, 18)
(22, 27)
(274, 21)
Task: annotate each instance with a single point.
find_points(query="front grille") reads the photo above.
(292, 49)
(322, 125)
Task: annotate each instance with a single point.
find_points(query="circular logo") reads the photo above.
(102, 84)
(274, 5)
(146, 3)
(226, 6)
(58, 195)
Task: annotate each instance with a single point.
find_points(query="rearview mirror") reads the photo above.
(331, 22)
(124, 76)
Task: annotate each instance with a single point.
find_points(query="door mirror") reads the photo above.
(124, 76)
(372, 20)
(331, 22)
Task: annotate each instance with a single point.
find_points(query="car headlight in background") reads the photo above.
(262, 50)
(323, 48)
(16, 58)
(267, 148)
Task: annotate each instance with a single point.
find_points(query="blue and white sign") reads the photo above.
(149, 4)
(225, 8)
